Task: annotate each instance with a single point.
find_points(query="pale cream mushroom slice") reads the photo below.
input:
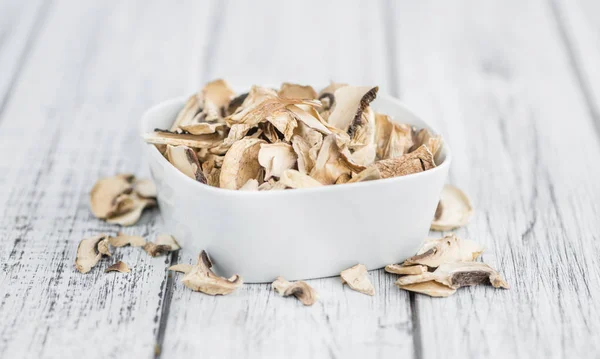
(392, 140)
(203, 128)
(182, 268)
(301, 290)
(106, 197)
(302, 149)
(327, 95)
(160, 137)
(345, 178)
(251, 185)
(454, 210)
(357, 278)
(236, 133)
(241, 163)
(122, 240)
(460, 274)
(276, 158)
(431, 288)
(350, 102)
(192, 107)
(201, 278)
(290, 90)
(295, 179)
(185, 160)
(133, 216)
(120, 267)
(449, 249)
(405, 270)
(163, 244)
(365, 155)
(417, 161)
(216, 95)
(90, 251)
(145, 188)
(362, 130)
(235, 103)
(424, 137)
(307, 115)
(369, 174)
(329, 165)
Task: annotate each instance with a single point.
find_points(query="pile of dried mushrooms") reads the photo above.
(292, 137)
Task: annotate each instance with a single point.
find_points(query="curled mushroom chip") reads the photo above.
(417, 161)
(90, 251)
(241, 163)
(192, 107)
(183, 268)
(122, 240)
(405, 270)
(289, 90)
(357, 278)
(276, 158)
(295, 179)
(350, 102)
(449, 249)
(393, 140)
(216, 95)
(301, 290)
(431, 288)
(131, 217)
(454, 210)
(201, 278)
(460, 274)
(120, 267)
(163, 244)
(329, 165)
(327, 95)
(106, 197)
(186, 160)
(425, 138)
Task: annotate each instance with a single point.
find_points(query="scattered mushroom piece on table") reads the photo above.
(301, 290)
(357, 278)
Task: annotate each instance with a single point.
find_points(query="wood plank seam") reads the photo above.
(565, 39)
(38, 24)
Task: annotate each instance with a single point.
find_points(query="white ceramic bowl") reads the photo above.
(301, 233)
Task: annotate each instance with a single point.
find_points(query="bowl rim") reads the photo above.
(155, 155)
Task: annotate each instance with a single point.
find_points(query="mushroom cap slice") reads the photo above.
(295, 179)
(163, 244)
(301, 290)
(192, 107)
(122, 240)
(216, 94)
(404, 270)
(425, 137)
(289, 90)
(120, 267)
(251, 185)
(89, 252)
(329, 165)
(449, 249)
(357, 278)
(327, 95)
(431, 288)
(276, 158)
(460, 274)
(161, 137)
(417, 161)
(105, 197)
(235, 103)
(145, 188)
(202, 279)
(203, 128)
(393, 140)
(130, 218)
(241, 163)
(302, 150)
(350, 102)
(186, 160)
(181, 267)
(454, 210)
(369, 174)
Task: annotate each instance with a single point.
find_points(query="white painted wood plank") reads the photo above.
(308, 42)
(72, 118)
(498, 81)
(19, 28)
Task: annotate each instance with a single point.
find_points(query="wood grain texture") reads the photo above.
(255, 322)
(71, 119)
(496, 78)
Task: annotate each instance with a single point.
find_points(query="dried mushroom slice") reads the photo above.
(417, 161)
(251, 185)
(327, 95)
(362, 130)
(425, 138)
(160, 137)
(145, 188)
(201, 278)
(241, 163)
(294, 179)
(404, 270)
(431, 288)
(183, 268)
(90, 251)
(329, 165)
(131, 217)
(185, 160)
(369, 174)
(289, 90)
(122, 240)
(350, 102)
(276, 158)
(460, 274)
(345, 178)
(449, 249)
(357, 278)
(364, 156)
(454, 210)
(311, 118)
(235, 103)
(217, 95)
(106, 197)
(203, 128)
(120, 267)
(302, 150)
(301, 290)
(163, 244)
(393, 140)
(192, 107)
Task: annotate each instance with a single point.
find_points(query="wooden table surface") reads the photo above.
(513, 85)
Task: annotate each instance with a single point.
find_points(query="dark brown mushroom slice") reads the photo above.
(301, 290)
(90, 251)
